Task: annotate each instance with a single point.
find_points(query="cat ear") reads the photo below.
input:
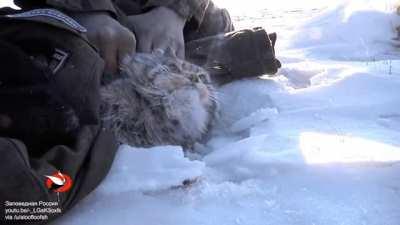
(273, 38)
(170, 53)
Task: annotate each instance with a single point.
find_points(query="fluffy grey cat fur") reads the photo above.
(159, 100)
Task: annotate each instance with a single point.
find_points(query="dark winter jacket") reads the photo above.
(49, 106)
(203, 17)
(192, 10)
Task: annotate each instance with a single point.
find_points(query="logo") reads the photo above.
(58, 182)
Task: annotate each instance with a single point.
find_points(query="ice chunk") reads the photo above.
(158, 168)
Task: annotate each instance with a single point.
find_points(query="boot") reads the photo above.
(235, 55)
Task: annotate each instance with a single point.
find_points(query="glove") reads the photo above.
(235, 55)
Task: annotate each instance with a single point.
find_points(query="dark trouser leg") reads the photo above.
(22, 178)
(18, 182)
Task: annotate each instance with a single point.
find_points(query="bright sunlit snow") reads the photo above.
(9, 3)
(323, 148)
(317, 145)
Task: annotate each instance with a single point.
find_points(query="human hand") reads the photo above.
(160, 28)
(114, 41)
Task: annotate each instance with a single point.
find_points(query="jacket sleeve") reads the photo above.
(191, 10)
(23, 176)
(71, 5)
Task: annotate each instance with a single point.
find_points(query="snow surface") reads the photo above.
(9, 3)
(317, 145)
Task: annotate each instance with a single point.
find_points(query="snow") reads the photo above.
(317, 145)
(8, 3)
(337, 34)
(168, 168)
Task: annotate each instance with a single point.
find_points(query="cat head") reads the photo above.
(159, 100)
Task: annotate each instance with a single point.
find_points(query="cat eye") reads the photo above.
(174, 67)
(204, 78)
(195, 78)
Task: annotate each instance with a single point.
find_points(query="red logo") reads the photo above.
(59, 182)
